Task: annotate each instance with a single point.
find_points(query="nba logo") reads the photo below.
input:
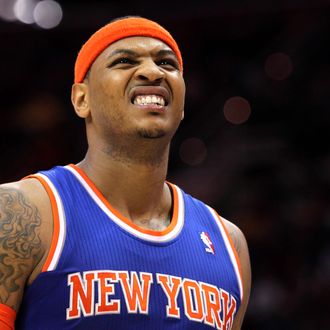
(205, 237)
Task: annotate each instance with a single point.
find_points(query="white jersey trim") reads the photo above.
(229, 249)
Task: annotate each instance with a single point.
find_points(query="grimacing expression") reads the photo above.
(135, 87)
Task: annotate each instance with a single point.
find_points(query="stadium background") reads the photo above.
(254, 143)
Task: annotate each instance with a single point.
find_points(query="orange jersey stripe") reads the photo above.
(56, 221)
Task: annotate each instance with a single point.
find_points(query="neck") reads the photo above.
(135, 186)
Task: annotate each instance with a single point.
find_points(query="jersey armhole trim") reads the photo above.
(58, 236)
(231, 249)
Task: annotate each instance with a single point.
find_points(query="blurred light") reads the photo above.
(193, 151)
(7, 10)
(278, 66)
(23, 10)
(237, 110)
(48, 14)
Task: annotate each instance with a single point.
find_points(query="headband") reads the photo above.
(122, 28)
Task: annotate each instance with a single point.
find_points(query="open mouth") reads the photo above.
(150, 96)
(149, 100)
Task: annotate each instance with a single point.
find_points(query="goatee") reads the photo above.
(151, 134)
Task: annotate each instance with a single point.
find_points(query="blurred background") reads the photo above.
(254, 143)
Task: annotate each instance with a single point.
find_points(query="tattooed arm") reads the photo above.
(23, 242)
(241, 247)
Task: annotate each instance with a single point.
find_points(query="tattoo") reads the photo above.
(19, 240)
(154, 224)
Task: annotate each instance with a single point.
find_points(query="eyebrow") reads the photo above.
(164, 52)
(123, 51)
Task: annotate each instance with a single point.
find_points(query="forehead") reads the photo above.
(140, 45)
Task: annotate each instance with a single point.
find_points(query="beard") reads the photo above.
(151, 133)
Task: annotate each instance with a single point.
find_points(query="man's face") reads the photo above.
(135, 88)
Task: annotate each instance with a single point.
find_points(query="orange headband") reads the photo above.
(123, 28)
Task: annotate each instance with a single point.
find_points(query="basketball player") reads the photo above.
(108, 243)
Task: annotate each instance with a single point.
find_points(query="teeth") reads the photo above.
(149, 99)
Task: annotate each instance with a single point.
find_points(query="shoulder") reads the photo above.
(25, 234)
(28, 201)
(241, 248)
(28, 193)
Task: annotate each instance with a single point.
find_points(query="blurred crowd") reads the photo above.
(254, 143)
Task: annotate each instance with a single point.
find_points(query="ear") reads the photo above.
(79, 99)
(182, 116)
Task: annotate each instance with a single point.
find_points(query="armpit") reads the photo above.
(235, 236)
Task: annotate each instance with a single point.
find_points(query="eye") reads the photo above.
(122, 61)
(168, 63)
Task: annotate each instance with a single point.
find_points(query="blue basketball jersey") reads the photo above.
(104, 272)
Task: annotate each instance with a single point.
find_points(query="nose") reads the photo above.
(150, 71)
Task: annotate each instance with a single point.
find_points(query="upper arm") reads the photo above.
(241, 247)
(20, 243)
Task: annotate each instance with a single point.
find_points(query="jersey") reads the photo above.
(104, 272)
